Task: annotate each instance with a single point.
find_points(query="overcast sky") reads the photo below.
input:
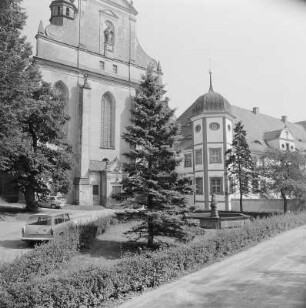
(257, 49)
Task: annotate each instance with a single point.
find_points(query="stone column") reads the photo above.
(84, 188)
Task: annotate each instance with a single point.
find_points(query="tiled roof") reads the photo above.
(258, 127)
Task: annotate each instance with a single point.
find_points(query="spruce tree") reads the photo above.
(151, 178)
(33, 145)
(239, 163)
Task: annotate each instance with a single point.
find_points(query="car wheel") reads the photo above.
(53, 206)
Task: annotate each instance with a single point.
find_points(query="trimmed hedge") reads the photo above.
(48, 257)
(97, 287)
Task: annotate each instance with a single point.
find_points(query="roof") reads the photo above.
(257, 125)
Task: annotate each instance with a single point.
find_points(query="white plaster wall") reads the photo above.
(198, 136)
(214, 135)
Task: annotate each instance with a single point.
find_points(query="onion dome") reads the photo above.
(211, 102)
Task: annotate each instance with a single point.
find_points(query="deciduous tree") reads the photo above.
(284, 173)
(33, 144)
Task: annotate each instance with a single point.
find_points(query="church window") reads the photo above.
(107, 122)
(115, 69)
(215, 156)
(199, 186)
(287, 146)
(216, 185)
(198, 157)
(67, 11)
(187, 160)
(102, 65)
(62, 92)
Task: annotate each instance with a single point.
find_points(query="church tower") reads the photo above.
(212, 131)
(91, 53)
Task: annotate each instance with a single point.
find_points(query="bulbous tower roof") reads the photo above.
(211, 102)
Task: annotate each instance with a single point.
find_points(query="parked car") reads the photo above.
(44, 227)
(55, 201)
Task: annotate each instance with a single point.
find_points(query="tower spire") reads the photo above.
(210, 77)
(210, 81)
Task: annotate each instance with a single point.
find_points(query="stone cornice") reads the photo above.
(130, 8)
(83, 49)
(80, 71)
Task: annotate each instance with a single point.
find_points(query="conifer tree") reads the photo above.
(239, 163)
(151, 178)
(33, 144)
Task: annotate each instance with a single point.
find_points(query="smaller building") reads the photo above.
(207, 132)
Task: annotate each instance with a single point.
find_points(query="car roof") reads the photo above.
(48, 215)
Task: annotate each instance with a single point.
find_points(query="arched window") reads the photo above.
(62, 92)
(107, 122)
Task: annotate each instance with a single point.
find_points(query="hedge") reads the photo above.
(98, 287)
(45, 258)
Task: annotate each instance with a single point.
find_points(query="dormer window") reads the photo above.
(257, 142)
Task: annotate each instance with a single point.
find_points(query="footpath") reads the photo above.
(270, 274)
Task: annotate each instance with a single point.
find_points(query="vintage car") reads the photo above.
(44, 227)
(54, 201)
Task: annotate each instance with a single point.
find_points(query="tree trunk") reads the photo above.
(241, 207)
(150, 232)
(285, 202)
(29, 196)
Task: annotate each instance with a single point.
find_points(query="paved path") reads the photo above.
(271, 274)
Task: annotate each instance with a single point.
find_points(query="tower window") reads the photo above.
(102, 65)
(67, 11)
(198, 157)
(199, 186)
(187, 160)
(216, 185)
(115, 69)
(215, 156)
(58, 10)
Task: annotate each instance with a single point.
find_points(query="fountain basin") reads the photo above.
(225, 220)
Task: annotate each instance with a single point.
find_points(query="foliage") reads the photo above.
(284, 173)
(45, 258)
(98, 287)
(151, 176)
(33, 144)
(239, 162)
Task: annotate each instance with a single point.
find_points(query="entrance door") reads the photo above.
(96, 194)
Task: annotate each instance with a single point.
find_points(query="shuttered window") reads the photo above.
(107, 119)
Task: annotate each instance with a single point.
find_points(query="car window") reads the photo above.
(40, 221)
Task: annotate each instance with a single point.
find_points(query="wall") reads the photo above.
(265, 205)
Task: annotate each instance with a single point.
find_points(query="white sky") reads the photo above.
(257, 47)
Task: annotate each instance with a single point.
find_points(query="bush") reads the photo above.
(97, 287)
(48, 257)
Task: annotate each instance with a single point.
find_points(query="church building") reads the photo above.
(207, 132)
(91, 54)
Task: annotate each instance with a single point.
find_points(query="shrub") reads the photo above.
(97, 287)
(45, 258)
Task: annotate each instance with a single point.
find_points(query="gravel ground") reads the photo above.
(12, 220)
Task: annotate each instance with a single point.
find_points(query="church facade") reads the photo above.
(207, 132)
(91, 54)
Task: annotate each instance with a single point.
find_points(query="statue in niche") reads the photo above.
(109, 34)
